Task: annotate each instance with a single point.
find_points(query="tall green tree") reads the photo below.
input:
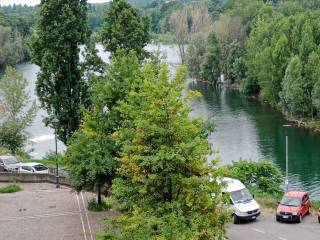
(92, 151)
(234, 67)
(311, 77)
(292, 94)
(211, 65)
(316, 96)
(126, 28)
(164, 175)
(17, 111)
(195, 54)
(55, 47)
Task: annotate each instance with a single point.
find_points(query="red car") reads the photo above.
(293, 206)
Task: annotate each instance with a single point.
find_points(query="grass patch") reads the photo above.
(104, 206)
(315, 205)
(267, 200)
(10, 189)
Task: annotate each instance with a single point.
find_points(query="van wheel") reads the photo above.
(319, 219)
(235, 219)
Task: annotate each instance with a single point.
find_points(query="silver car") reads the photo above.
(33, 167)
(9, 163)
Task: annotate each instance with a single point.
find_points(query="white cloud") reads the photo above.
(35, 2)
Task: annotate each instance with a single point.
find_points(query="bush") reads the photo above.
(50, 159)
(104, 206)
(261, 176)
(10, 189)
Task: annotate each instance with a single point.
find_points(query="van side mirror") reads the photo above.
(253, 196)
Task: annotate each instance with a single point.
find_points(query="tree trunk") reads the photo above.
(99, 196)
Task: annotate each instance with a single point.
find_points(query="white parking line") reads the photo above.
(83, 228)
(258, 230)
(84, 207)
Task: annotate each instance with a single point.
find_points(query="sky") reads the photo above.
(35, 2)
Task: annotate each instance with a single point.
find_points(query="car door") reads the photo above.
(308, 203)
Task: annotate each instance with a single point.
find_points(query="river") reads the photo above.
(244, 128)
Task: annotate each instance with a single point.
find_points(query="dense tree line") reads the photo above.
(270, 48)
(16, 24)
(287, 61)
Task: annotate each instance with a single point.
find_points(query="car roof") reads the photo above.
(231, 184)
(31, 164)
(295, 194)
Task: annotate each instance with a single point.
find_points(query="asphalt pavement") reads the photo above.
(42, 212)
(267, 228)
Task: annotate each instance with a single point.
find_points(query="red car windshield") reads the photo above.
(291, 201)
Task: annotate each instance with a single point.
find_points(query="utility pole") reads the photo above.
(286, 182)
(55, 122)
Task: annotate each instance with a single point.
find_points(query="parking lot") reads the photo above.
(42, 212)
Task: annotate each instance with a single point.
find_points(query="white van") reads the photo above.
(243, 204)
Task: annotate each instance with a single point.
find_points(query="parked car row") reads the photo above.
(11, 164)
(292, 208)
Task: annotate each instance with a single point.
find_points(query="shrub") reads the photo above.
(51, 157)
(261, 176)
(104, 206)
(10, 189)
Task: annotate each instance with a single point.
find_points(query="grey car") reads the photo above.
(9, 163)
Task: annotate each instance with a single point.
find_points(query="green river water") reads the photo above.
(246, 128)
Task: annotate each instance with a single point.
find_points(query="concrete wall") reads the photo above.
(31, 178)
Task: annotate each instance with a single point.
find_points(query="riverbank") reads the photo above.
(313, 125)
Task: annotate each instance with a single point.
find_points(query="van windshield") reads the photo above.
(240, 196)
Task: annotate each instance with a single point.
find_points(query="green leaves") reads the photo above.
(281, 59)
(163, 184)
(16, 110)
(124, 27)
(263, 176)
(55, 47)
(211, 66)
(92, 151)
(292, 94)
